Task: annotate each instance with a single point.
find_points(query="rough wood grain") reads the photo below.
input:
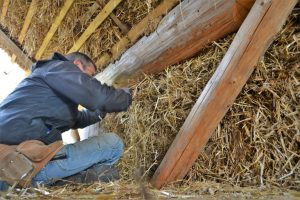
(182, 32)
(54, 27)
(4, 9)
(254, 37)
(105, 12)
(31, 11)
(147, 24)
(7, 44)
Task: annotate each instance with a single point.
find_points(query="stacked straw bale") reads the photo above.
(257, 143)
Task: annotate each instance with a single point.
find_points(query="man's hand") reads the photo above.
(127, 90)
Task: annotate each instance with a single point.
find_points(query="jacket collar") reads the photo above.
(55, 56)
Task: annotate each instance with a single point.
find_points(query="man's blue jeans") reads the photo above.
(104, 149)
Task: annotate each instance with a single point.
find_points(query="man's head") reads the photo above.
(83, 62)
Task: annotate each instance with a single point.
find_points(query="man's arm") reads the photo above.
(86, 118)
(66, 79)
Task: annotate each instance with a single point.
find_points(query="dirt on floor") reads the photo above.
(135, 190)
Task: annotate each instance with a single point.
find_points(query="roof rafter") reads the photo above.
(8, 44)
(137, 31)
(4, 8)
(31, 11)
(54, 27)
(105, 12)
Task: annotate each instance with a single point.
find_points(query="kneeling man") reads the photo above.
(44, 105)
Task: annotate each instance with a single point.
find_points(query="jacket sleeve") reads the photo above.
(86, 118)
(67, 80)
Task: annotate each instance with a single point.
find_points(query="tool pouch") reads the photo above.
(21, 163)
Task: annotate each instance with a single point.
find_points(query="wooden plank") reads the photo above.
(154, 17)
(186, 29)
(31, 11)
(254, 37)
(4, 9)
(7, 44)
(108, 8)
(54, 27)
(122, 26)
(87, 16)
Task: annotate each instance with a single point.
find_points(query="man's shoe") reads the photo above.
(96, 173)
(102, 173)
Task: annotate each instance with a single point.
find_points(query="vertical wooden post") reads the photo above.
(254, 37)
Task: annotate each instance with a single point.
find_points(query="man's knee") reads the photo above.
(114, 142)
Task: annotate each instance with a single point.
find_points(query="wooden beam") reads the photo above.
(7, 44)
(122, 26)
(4, 9)
(252, 40)
(31, 11)
(186, 29)
(154, 17)
(108, 8)
(87, 16)
(54, 27)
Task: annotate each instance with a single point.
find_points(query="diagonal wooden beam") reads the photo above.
(179, 35)
(7, 44)
(108, 8)
(31, 11)
(54, 27)
(250, 43)
(123, 27)
(5, 6)
(136, 32)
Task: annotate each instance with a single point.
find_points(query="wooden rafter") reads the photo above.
(179, 35)
(31, 11)
(124, 28)
(54, 27)
(250, 43)
(108, 8)
(137, 31)
(93, 9)
(7, 44)
(5, 6)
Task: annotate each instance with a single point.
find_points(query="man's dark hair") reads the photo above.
(84, 59)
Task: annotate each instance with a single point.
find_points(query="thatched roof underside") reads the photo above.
(73, 25)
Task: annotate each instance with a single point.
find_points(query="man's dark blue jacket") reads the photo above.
(45, 103)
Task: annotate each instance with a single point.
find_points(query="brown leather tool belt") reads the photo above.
(20, 163)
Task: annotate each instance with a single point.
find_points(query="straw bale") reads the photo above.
(15, 16)
(255, 144)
